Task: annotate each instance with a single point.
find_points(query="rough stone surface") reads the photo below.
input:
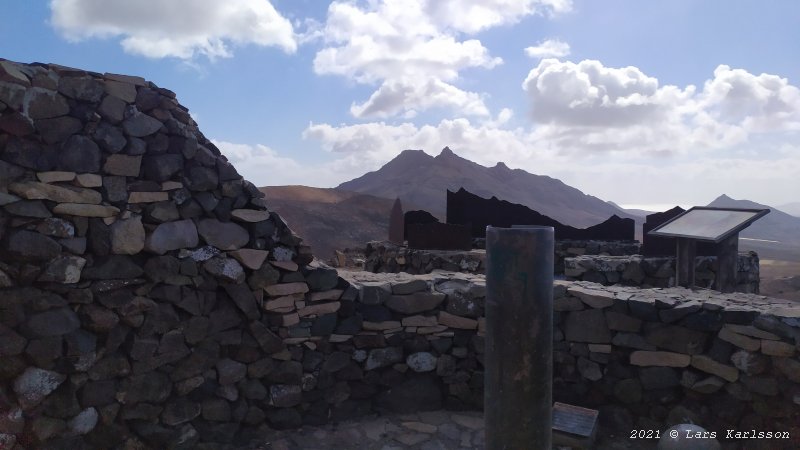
(383, 357)
(225, 269)
(127, 236)
(172, 236)
(63, 269)
(80, 154)
(222, 235)
(141, 125)
(250, 258)
(421, 362)
(587, 326)
(123, 165)
(42, 191)
(415, 303)
(35, 384)
(204, 346)
(81, 210)
(53, 322)
(31, 246)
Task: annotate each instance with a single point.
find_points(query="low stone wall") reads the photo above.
(382, 256)
(642, 271)
(646, 358)
(570, 248)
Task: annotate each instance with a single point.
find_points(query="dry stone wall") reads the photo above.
(383, 256)
(149, 299)
(134, 266)
(646, 358)
(658, 271)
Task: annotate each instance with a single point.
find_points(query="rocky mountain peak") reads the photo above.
(501, 166)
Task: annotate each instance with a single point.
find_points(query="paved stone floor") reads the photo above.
(435, 430)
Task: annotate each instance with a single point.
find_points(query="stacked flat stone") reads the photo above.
(570, 247)
(134, 265)
(423, 332)
(642, 271)
(148, 299)
(383, 256)
(652, 358)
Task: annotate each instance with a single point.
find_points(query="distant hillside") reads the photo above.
(331, 219)
(633, 212)
(791, 208)
(421, 179)
(775, 226)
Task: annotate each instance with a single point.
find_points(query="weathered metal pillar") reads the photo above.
(397, 223)
(727, 260)
(518, 378)
(685, 262)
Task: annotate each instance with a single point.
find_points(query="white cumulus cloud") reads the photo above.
(756, 102)
(264, 166)
(414, 50)
(551, 48)
(739, 126)
(175, 28)
(376, 143)
(588, 106)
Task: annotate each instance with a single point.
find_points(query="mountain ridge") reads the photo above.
(419, 178)
(779, 227)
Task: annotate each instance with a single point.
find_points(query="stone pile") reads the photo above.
(149, 299)
(382, 256)
(570, 248)
(135, 263)
(654, 357)
(654, 271)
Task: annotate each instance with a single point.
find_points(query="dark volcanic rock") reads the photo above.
(54, 322)
(268, 340)
(421, 393)
(119, 327)
(153, 387)
(141, 125)
(202, 179)
(110, 138)
(85, 89)
(225, 269)
(80, 154)
(42, 104)
(28, 208)
(112, 267)
(223, 235)
(58, 129)
(244, 299)
(230, 371)
(31, 246)
(172, 236)
(322, 279)
(180, 411)
(161, 167)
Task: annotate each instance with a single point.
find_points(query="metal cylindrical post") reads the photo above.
(518, 378)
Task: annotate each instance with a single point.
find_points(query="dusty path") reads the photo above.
(435, 430)
(780, 279)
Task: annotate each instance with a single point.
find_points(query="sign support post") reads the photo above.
(518, 389)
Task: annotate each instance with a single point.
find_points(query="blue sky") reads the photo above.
(639, 102)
